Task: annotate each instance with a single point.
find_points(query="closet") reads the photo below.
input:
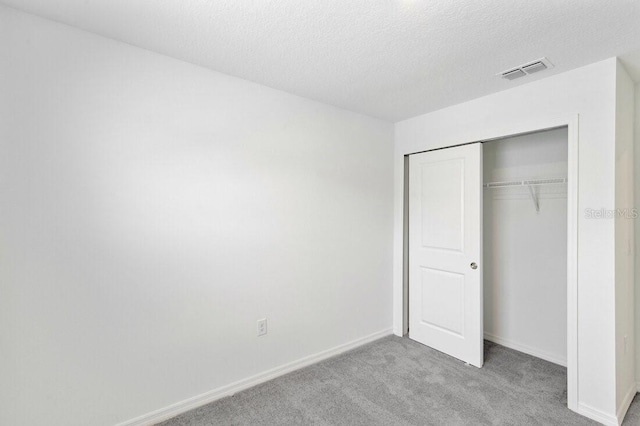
(487, 246)
(525, 243)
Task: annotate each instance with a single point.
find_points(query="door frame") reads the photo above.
(400, 243)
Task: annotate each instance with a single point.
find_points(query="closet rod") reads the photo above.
(554, 181)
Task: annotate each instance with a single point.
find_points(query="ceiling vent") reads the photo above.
(513, 74)
(526, 69)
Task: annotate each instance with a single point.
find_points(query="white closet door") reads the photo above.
(445, 251)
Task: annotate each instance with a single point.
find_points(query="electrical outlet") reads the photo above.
(262, 327)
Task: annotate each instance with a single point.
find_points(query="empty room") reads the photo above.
(256, 212)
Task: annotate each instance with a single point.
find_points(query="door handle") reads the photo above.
(474, 265)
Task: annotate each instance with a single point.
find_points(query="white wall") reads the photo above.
(152, 211)
(636, 154)
(624, 223)
(590, 94)
(525, 251)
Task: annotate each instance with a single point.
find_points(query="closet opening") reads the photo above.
(525, 244)
(520, 223)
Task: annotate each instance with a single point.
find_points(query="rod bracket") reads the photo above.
(534, 197)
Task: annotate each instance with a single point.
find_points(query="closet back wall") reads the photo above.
(525, 252)
(153, 210)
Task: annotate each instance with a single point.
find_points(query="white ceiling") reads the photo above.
(392, 59)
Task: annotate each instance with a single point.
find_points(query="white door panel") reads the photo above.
(441, 226)
(445, 225)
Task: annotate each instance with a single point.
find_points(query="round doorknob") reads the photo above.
(474, 265)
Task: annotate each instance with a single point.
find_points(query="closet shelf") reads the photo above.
(529, 184)
(554, 181)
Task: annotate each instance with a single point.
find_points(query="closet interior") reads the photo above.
(525, 243)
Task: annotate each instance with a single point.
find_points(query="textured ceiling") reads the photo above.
(392, 59)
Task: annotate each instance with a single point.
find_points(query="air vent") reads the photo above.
(525, 69)
(535, 67)
(513, 74)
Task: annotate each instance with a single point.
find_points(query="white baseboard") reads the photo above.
(597, 415)
(626, 402)
(526, 349)
(207, 397)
